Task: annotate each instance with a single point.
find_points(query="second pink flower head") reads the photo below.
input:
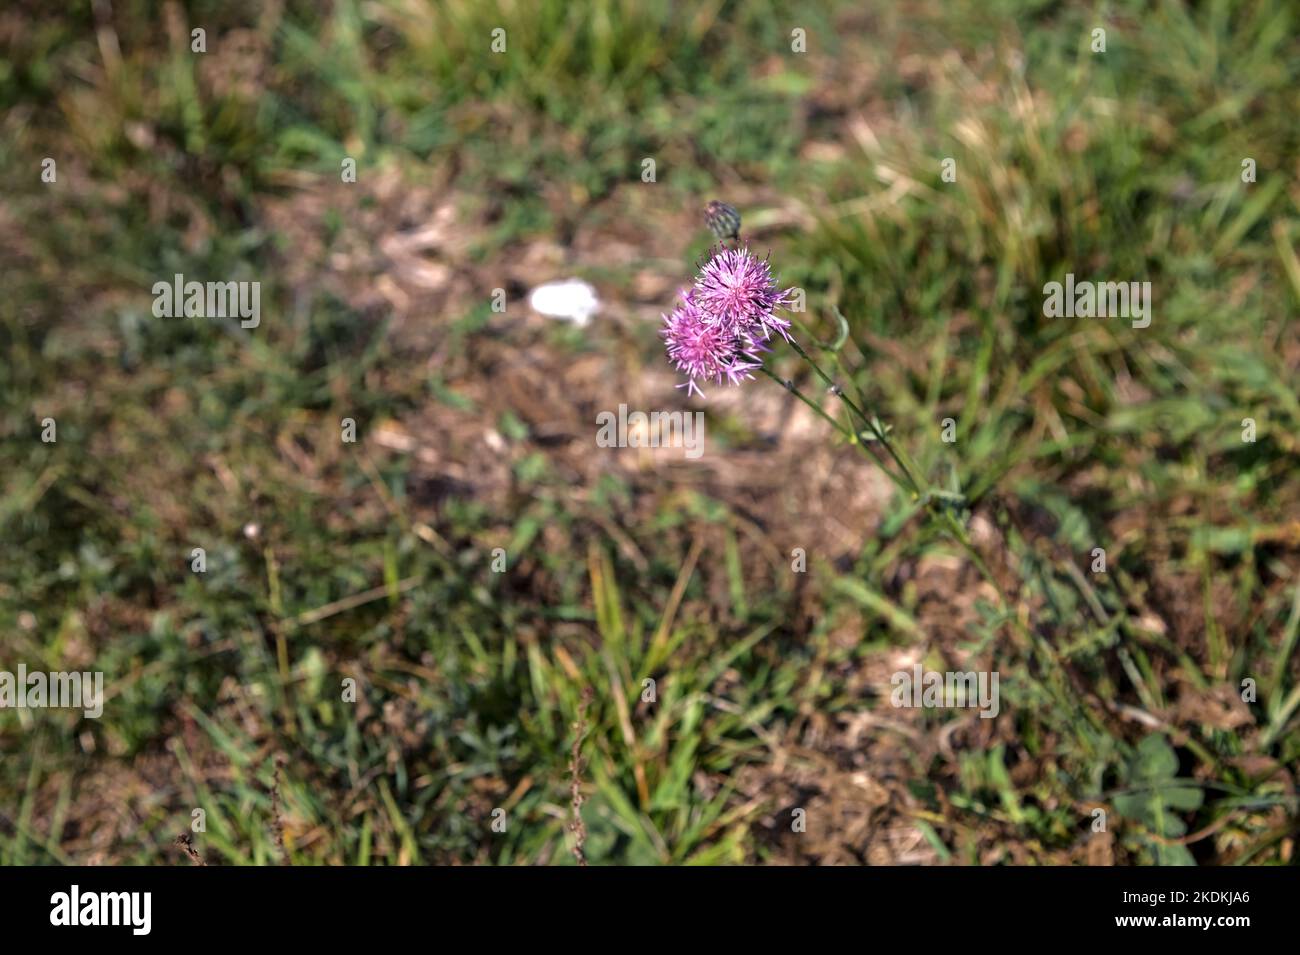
(728, 316)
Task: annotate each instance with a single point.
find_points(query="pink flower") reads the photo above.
(737, 290)
(704, 350)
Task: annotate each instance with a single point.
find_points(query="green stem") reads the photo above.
(847, 432)
(870, 424)
(951, 524)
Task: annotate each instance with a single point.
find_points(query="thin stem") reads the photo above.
(949, 522)
(847, 432)
(900, 451)
(871, 425)
(789, 386)
(954, 529)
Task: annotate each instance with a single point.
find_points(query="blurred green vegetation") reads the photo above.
(173, 435)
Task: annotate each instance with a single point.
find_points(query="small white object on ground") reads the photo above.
(573, 299)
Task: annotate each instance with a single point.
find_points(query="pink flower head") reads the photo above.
(736, 289)
(704, 350)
